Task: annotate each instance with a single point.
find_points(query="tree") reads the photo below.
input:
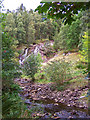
(73, 34)
(69, 35)
(84, 26)
(20, 29)
(31, 33)
(63, 10)
(10, 25)
(11, 102)
(60, 39)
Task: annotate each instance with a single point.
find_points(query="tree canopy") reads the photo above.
(63, 10)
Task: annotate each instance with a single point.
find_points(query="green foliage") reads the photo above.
(8, 65)
(85, 48)
(32, 65)
(11, 107)
(58, 71)
(81, 65)
(20, 29)
(60, 39)
(10, 24)
(41, 77)
(28, 26)
(73, 34)
(84, 25)
(31, 33)
(62, 9)
(68, 37)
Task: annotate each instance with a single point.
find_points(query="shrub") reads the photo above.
(81, 65)
(58, 71)
(32, 65)
(12, 106)
(85, 46)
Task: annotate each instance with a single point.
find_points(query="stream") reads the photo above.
(54, 110)
(51, 109)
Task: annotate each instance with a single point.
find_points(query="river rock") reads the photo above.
(68, 105)
(39, 89)
(27, 101)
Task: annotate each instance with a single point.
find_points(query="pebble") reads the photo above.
(68, 105)
(39, 89)
(56, 104)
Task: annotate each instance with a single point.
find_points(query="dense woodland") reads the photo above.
(24, 28)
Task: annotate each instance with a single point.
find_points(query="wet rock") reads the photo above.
(56, 104)
(22, 87)
(43, 91)
(43, 97)
(27, 101)
(34, 91)
(82, 97)
(56, 100)
(39, 89)
(81, 106)
(68, 105)
(70, 117)
(26, 95)
(36, 99)
(73, 112)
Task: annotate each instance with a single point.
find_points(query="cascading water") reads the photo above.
(36, 51)
(25, 55)
(22, 57)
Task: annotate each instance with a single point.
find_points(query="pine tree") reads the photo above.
(20, 29)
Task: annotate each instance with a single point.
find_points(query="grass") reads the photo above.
(41, 78)
(73, 57)
(43, 81)
(77, 73)
(25, 77)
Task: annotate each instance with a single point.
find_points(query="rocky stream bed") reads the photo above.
(50, 103)
(54, 104)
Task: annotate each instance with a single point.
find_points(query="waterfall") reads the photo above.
(36, 50)
(26, 51)
(22, 57)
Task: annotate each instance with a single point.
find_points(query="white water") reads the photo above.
(26, 51)
(36, 51)
(25, 57)
(22, 58)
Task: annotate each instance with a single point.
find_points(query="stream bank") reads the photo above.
(56, 103)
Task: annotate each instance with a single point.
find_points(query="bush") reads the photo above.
(85, 45)
(12, 104)
(58, 71)
(32, 65)
(81, 65)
